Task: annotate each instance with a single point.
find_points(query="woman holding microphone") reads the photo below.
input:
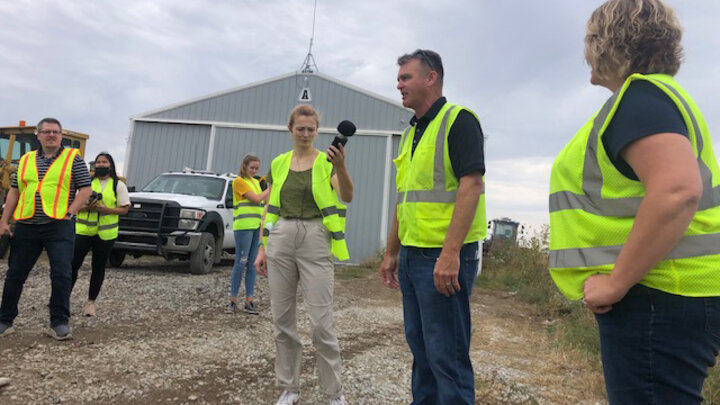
(303, 228)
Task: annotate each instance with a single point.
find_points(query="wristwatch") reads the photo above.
(69, 215)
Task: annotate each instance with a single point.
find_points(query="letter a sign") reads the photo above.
(305, 96)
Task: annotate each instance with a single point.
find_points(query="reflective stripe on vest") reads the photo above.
(247, 214)
(590, 223)
(424, 211)
(54, 188)
(106, 226)
(332, 210)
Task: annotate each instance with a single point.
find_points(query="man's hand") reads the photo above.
(261, 262)
(601, 292)
(446, 273)
(5, 229)
(388, 271)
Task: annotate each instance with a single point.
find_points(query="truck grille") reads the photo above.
(151, 216)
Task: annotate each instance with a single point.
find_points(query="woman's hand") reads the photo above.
(601, 292)
(91, 207)
(261, 262)
(341, 181)
(101, 209)
(336, 156)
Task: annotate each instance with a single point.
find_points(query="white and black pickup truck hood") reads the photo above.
(186, 201)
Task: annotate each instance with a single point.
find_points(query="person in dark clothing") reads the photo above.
(97, 225)
(432, 252)
(51, 186)
(634, 212)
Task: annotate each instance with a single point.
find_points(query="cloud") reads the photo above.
(518, 64)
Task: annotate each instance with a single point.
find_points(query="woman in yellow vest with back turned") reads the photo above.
(96, 225)
(635, 212)
(304, 226)
(248, 198)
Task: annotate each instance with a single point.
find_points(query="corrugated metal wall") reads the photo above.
(157, 147)
(160, 147)
(365, 162)
(270, 103)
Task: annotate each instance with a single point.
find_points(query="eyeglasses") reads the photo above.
(426, 58)
(50, 131)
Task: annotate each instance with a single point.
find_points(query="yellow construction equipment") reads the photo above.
(16, 141)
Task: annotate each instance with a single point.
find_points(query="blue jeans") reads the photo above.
(437, 328)
(657, 347)
(28, 241)
(246, 248)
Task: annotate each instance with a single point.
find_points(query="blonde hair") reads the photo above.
(245, 162)
(633, 36)
(304, 110)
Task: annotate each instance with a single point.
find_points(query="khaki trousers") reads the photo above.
(298, 251)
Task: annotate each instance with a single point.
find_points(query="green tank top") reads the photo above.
(296, 198)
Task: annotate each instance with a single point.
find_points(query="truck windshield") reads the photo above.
(208, 187)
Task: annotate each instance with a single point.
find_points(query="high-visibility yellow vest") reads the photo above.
(93, 223)
(593, 208)
(247, 214)
(332, 210)
(427, 186)
(54, 187)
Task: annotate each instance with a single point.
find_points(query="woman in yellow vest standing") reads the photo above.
(96, 225)
(635, 212)
(248, 198)
(304, 226)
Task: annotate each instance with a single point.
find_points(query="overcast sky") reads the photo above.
(518, 64)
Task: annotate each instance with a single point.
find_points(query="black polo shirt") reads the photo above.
(644, 110)
(465, 140)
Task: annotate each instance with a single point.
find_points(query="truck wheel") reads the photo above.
(201, 260)
(116, 259)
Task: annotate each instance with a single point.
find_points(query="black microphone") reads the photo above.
(346, 129)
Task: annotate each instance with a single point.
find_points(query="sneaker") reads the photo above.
(289, 398)
(6, 329)
(339, 401)
(231, 308)
(4, 381)
(60, 332)
(250, 308)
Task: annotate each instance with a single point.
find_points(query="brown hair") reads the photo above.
(633, 36)
(245, 162)
(431, 60)
(305, 110)
(47, 120)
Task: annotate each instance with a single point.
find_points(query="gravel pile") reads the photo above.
(160, 336)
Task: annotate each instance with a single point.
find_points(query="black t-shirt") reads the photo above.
(465, 141)
(644, 110)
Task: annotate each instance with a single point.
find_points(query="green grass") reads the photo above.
(524, 270)
(353, 272)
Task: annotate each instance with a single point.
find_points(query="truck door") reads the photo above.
(227, 217)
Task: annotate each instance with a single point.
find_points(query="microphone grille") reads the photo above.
(346, 128)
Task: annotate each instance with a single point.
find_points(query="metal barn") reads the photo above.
(214, 132)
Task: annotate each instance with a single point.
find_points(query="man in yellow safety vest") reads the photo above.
(51, 186)
(432, 249)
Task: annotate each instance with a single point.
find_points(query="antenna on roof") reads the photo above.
(309, 65)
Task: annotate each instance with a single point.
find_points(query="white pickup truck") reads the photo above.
(184, 215)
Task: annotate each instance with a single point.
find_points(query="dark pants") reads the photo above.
(437, 328)
(657, 347)
(58, 239)
(100, 253)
